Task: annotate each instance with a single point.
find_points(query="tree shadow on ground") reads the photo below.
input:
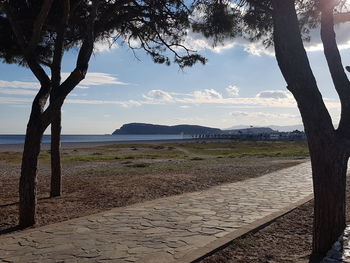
(16, 203)
(10, 229)
(17, 227)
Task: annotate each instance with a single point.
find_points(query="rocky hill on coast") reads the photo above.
(146, 128)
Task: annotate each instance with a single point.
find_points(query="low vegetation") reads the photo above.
(191, 150)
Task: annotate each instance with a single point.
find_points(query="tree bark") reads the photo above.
(40, 119)
(327, 150)
(28, 179)
(329, 166)
(56, 173)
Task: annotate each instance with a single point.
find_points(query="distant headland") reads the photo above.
(146, 128)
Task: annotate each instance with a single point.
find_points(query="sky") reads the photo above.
(240, 85)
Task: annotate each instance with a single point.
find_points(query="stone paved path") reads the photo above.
(161, 230)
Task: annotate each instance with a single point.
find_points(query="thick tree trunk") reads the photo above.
(40, 119)
(28, 179)
(56, 173)
(329, 166)
(327, 151)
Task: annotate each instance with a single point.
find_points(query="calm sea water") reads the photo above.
(19, 139)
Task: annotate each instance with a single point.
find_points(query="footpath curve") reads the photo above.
(172, 229)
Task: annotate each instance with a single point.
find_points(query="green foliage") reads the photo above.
(217, 20)
(249, 19)
(158, 27)
(175, 151)
(249, 148)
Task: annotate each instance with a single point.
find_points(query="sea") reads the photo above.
(19, 139)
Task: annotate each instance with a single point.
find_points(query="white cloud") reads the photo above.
(264, 118)
(275, 94)
(198, 42)
(342, 33)
(263, 99)
(239, 114)
(126, 104)
(266, 99)
(212, 96)
(271, 99)
(332, 103)
(185, 107)
(19, 84)
(92, 79)
(11, 100)
(207, 95)
(20, 92)
(158, 95)
(77, 95)
(263, 115)
(97, 79)
(82, 87)
(105, 46)
(232, 90)
(93, 102)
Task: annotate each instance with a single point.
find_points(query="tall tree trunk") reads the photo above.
(40, 119)
(327, 150)
(56, 173)
(28, 179)
(329, 166)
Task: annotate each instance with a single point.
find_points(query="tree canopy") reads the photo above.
(252, 19)
(157, 26)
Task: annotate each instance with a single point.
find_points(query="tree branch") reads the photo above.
(37, 70)
(78, 74)
(58, 48)
(45, 87)
(332, 54)
(295, 67)
(38, 25)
